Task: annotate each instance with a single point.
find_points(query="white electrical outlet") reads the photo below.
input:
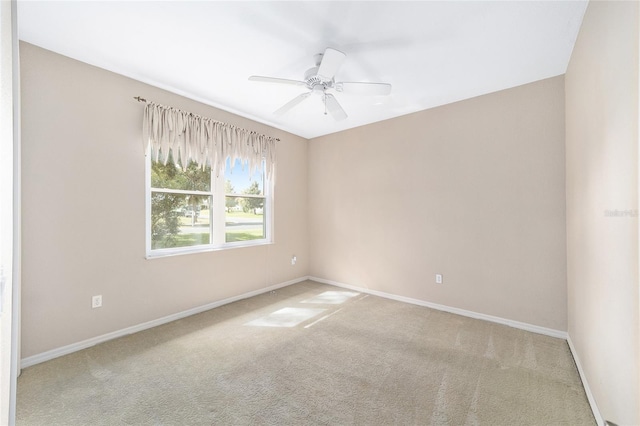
(294, 259)
(438, 278)
(96, 301)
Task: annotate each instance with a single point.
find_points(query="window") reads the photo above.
(189, 209)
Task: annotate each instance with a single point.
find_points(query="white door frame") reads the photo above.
(9, 211)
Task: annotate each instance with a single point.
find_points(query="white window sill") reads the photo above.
(157, 254)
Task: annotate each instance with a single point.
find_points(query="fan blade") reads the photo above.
(358, 88)
(276, 80)
(331, 61)
(334, 107)
(293, 102)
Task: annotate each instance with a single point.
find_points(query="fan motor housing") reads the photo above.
(313, 80)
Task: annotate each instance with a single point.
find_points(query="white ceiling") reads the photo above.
(433, 53)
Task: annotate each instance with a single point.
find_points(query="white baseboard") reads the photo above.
(516, 324)
(65, 350)
(585, 384)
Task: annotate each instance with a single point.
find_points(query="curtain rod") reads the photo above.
(141, 99)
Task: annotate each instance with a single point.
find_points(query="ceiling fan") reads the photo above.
(320, 79)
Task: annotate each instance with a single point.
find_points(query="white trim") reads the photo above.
(74, 347)
(179, 251)
(147, 200)
(592, 401)
(516, 324)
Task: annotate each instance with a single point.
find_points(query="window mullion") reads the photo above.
(218, 210)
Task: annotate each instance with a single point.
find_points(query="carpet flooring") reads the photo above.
(312, 354)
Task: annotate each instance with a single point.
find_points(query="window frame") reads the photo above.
(217, 210)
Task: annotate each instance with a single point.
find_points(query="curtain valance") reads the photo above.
(192, 137)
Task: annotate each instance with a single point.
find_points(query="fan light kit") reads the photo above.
(321, 78)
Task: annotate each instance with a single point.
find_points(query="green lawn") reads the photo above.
(244, 235)
(188, 240)
(203, 217)
(181, 240)
(194, 239)
(244, 215)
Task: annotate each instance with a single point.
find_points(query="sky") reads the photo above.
(239, 178)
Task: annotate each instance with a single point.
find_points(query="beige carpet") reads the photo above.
(312, 354)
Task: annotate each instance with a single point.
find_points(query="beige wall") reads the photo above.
(83, 206)
(473, 190)
(602, 174)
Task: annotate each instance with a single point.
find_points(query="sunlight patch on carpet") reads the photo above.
(286, 317)
(332, 297)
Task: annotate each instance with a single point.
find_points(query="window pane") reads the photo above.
(238, 181)
(244, 219)
(174, 176)
(179, 220)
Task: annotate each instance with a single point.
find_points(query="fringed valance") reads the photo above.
(206, 141)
